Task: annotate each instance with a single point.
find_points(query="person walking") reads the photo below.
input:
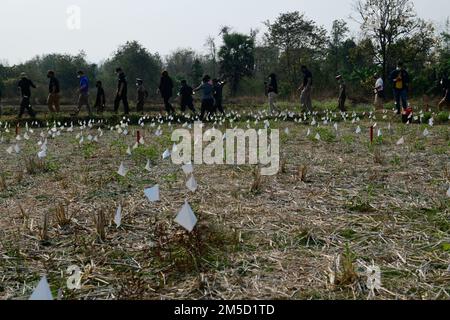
(53, 93)
(142, 94)
(122, 92)
(100, 101)
(400, 80)
(379, 92)
(306, 89)
(272, 92)
(166, 90)
(24, 86)
(207, 97)
(445, 102)
(186, 99)
(342, 93)
(83, 97)
(218, 95)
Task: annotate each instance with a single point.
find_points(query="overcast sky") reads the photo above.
(32, 27)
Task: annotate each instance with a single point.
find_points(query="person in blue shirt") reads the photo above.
(83, 97)
(207, 90)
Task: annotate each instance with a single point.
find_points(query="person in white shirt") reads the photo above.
(379, 92)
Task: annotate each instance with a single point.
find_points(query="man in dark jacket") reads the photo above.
(272, 92)
(100, 101)
(400, 79)
(122, 92)
(142, 94)
(306, 89)
(185, 94)
(24, 87)
(53, 92)
(166, 90)
(342, 93)
(218, 94)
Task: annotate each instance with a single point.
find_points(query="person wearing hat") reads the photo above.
(53, 93)
(142, 94)
(342, 93)
(83, 98)
(24, 87)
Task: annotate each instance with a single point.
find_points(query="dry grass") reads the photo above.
(43, 231)
(302, 172)
(100, 225)
(257, 181)
(34, 165)
(3, 185)
(61, 214)
(284, 240)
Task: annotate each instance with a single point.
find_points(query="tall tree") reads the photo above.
(386, 21)
(444, 50)
(237, 57)
(298, 39)
(180, 64)
(136, 62)
(339, 32)
(211, 56)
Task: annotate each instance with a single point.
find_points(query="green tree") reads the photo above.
(444, 50)
(196, 73)
(338, 35)
(386, 22)
(211, 58)
(137, 62)
(237, 59)
(299, 40)
(185, 64)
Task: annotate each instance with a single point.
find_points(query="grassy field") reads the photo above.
(337, 206)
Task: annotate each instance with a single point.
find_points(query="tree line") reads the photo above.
(391, 31)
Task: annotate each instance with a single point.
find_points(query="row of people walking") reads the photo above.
(399, 78)
(211, 89)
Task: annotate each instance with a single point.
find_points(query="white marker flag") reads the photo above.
(118, 216)
(152, 194)
(186, 218)
(42, 291)
(191, 184)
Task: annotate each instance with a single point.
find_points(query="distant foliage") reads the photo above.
(391, 31)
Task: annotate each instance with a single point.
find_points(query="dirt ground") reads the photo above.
(337, 206)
